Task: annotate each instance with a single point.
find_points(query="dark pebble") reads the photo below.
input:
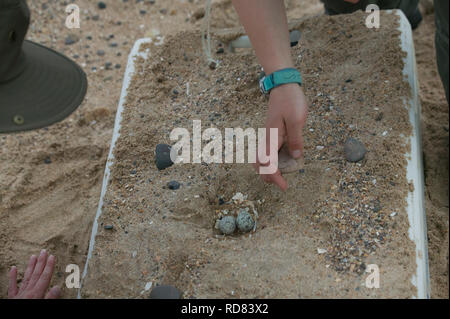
(354, 150)
(213, 65)
(165, 292)
(70, 39)
(96, 17)
(220, 51)
(162, 155)
(47, 160)
(117, 66)
(100, 53)
(108, 227)
(379, 117)
(101, 5)
(173, 185)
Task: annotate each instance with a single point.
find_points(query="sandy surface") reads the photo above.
(161, 236)
(53, 205)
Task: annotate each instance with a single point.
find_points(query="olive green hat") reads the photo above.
(38, 86)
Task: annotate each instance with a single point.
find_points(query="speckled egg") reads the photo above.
(244, 221)
(227, 225)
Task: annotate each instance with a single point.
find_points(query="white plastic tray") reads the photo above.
(415, 209)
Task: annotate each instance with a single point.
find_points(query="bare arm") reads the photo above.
(266, 25)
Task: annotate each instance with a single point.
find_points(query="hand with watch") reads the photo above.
(265, 23)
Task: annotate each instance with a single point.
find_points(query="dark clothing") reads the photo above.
(441, 13)
(337, 7)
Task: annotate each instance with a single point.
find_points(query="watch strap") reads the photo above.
(278, 78)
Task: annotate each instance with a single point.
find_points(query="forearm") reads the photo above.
(265, 23)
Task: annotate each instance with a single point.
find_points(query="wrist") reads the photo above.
(285, 89)
(282, 77)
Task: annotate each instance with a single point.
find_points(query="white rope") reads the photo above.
(206, 41)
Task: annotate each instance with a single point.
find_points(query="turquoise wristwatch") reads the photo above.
(285, 76)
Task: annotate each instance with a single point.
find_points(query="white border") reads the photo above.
(414, 173)
(126, 83)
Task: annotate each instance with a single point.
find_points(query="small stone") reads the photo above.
(213, 65)
(71, 39)
(354, 150)
(220, 51)
(244, 221)
(379, 117)
(108, 227)
(173, 185)
(165, 292)
(162, 155)
(47, 160)
(101, 5)
(100, 53)
(227, 225)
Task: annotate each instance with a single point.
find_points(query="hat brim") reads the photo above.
(49, 89)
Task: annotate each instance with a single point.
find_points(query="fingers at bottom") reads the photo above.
(53, 293)
(12, 287)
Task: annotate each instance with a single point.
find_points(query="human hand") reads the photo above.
(36, 279)
(287, 112)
